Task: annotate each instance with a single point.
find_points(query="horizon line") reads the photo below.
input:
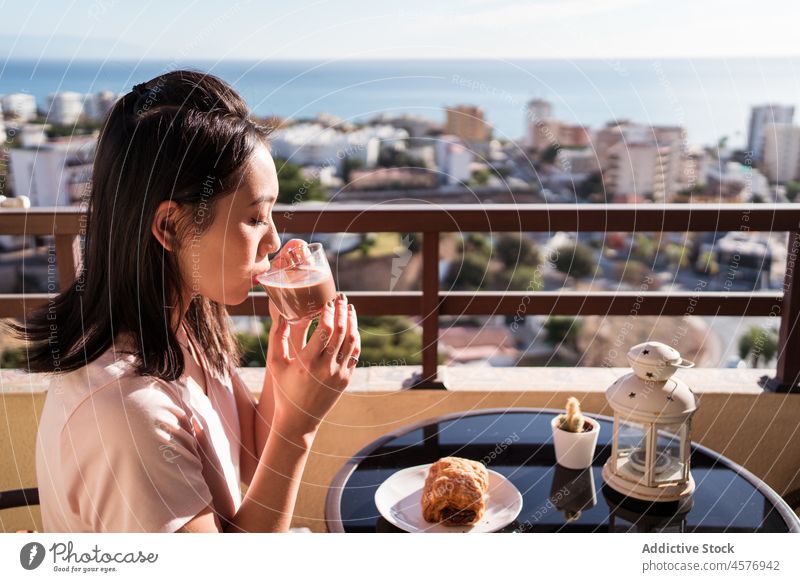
(410, 59)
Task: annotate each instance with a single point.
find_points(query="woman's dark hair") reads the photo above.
(183, 136)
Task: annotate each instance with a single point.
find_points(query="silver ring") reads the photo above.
(355, 359)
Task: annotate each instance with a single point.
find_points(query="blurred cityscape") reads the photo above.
(47, 149)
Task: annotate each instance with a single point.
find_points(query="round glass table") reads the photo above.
(518, 444)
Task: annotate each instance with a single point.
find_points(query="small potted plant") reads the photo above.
(574, 437)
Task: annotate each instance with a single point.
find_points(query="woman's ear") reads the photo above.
(164, 224)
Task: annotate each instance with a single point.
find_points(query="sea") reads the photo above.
(710, 97)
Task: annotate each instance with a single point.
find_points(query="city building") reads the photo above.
(696, 164)
(734, 182)
(781, 156)
(574, 136)
(640, 161)
(752, 254)
(417, 126)
(633, 170)
(19, 106)
(544, 131)
(578, 163)
(99, 104)
(311, 144)
(56, 173)
(453, 160)
(32, 135)
(760, 117)
(539, 111)
(467, 122)
(392, 178)
(65, 108)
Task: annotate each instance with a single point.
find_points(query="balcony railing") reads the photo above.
(66, 224)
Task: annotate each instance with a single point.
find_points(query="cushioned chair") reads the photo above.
(19, 498)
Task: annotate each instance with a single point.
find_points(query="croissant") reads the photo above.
(455, 492)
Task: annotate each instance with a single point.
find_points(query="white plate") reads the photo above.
(399, 500)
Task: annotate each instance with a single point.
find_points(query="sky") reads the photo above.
(349, 29)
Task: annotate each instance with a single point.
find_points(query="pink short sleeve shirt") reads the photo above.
(119, 452)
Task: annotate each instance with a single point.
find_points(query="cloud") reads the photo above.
(527, 13)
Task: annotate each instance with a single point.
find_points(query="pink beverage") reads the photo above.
(301, 290)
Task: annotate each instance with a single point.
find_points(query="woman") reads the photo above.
(147, 426)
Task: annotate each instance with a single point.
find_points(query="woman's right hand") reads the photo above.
(308, 380)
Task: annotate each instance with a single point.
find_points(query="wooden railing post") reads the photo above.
(788, 369)
(429, 378)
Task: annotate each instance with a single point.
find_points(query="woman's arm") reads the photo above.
(265, 409)
(269, 503)
(255, 418)
(305, 388)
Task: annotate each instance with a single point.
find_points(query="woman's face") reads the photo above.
(220, 262)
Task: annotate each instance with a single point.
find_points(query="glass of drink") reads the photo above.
(302, 285)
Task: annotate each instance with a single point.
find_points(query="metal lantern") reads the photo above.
(652, 426)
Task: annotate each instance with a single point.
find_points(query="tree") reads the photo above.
(633, 272)
(514, 249)
(469, 274)
(82, 127)
(525, 278)
(575, 260)
(792, 190)
(644, 247)
(16, 358)
(549, 155)
(368, 241)
(591, 188)
(348, 165)
(294, 186)
(390, 340)
(479, 243)
(392, 158)
(676, 255)
(563, 330)
(481, 177)
(707, 263)
(757, 343)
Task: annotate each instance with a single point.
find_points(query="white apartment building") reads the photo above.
(695, 168)
(99, 104)
(632, 170)
(65, 108)
(19, 105)
(311, 144)
(641, 161)
(539, 112)
(781, 160)
(577, 163)
(417, 126)
(733, 178)
(55, 173)
(760, 117)
(453, 160)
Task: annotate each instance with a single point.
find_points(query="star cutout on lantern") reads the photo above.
(632, 395)
(649, 374)
(645, 352)
(670, 398)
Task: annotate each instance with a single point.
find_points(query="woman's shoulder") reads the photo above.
(108, 390)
